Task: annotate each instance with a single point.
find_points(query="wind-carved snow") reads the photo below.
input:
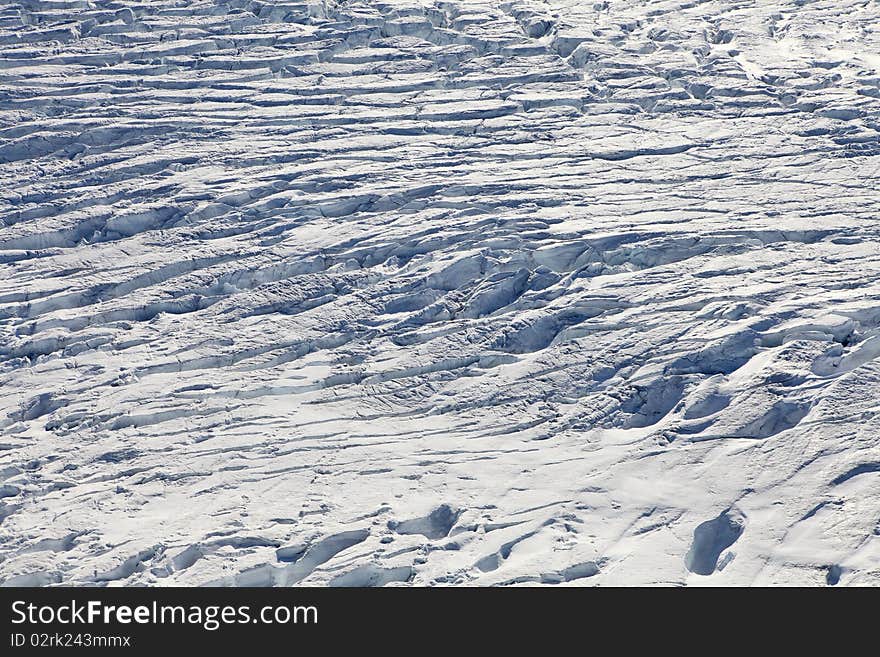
(413, 292)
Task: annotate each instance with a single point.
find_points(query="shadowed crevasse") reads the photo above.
(711, 538)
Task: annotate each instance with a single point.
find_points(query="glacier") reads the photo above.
(425, 292)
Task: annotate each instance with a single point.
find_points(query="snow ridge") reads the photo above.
(439, 292)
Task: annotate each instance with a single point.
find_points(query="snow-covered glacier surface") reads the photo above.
(431, 293)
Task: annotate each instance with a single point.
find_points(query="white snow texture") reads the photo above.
(420, 292)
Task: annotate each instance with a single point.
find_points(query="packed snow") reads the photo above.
(417, 292)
